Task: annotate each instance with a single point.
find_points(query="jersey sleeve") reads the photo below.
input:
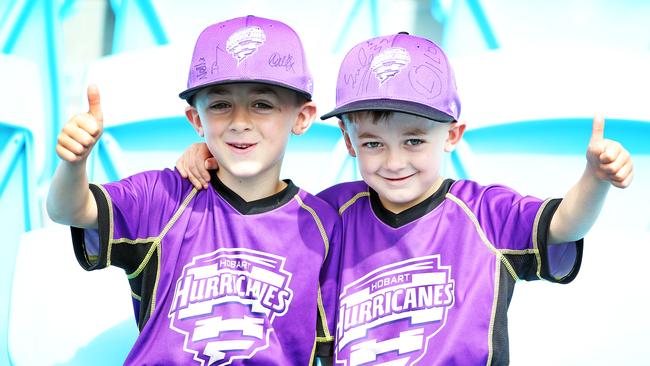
(134, 211)
(329, 280)
(518, 227)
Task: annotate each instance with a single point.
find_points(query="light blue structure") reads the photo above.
(19, 210)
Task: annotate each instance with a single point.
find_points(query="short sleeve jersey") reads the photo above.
(431, 285)
(217, 280)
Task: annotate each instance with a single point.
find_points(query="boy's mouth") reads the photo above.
(240, 146)
(400, 179)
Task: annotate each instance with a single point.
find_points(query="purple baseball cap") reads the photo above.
(249, 49)
(401, 73)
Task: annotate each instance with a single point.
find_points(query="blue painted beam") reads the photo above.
(348, 22)
(483, 24)
(18, 26)
(153, 21)
(53, 70)
(9, 157)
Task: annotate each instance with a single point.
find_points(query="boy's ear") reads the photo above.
(305, 117)
(195, 120)
(346, 137)
(455, 133)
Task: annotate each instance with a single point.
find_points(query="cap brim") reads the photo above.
(186, 94)
(413, 108)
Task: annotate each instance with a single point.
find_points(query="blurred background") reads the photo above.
(531, 75)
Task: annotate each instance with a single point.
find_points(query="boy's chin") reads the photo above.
(247, 170)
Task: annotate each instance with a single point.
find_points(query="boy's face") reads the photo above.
(246, 127)
(400, 156)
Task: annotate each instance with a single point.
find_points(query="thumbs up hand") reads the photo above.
(607, 159)
(82, 131)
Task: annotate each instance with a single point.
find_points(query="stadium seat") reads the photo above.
(21, 123)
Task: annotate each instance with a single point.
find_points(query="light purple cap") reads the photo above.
(249, 49)
(400, 72)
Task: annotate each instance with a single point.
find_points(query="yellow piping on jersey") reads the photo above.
(159, 238)
(482, 235)
(155, 284)
(110, 223)
(313, 353)
(518, 251)
(318, 223)
(497, 279)
(144, 262)
(323, 234)
(158, 247)
(136, 296)
(323, 316)
(352, 200)
(148, 240)
(538, 217)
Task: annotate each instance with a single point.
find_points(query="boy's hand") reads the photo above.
(82, 131)
(194, 164)
(607, 159)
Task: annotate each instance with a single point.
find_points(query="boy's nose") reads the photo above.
(240, 120)
(394, 160)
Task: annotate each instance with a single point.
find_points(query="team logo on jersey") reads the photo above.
(389, 63)
(245, 42)
(388, 316)
(225, 303)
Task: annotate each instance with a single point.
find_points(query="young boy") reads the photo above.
(228, 275)
(428, 264)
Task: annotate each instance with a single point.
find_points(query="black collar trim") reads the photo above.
(262, 205)
(407, 216)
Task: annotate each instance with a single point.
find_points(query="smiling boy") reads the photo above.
(243, 272)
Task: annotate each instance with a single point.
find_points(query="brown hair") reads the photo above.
(299, 100)
(375, 116)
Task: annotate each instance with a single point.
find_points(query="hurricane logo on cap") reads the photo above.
(245, 42)
(389, 63)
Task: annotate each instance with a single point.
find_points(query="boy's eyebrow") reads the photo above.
(263, 90)
(367, 135)
(217, 90)
(415, 132)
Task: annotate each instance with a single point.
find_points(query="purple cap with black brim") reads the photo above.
(249, 49)
(401, 73)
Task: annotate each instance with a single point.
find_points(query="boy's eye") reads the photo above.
(219, 105)
(414, 142)
(262, 105)
(372, 144)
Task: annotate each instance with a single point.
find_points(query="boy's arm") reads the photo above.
(69, 200)
(607, 163)
(195, 163)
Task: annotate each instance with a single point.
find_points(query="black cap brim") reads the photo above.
(189, 93)
(413, 108)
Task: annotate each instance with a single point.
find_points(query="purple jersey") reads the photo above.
(217, 280)
(431, 285)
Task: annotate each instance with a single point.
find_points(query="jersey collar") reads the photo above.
(262, 205)
(407, 216)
